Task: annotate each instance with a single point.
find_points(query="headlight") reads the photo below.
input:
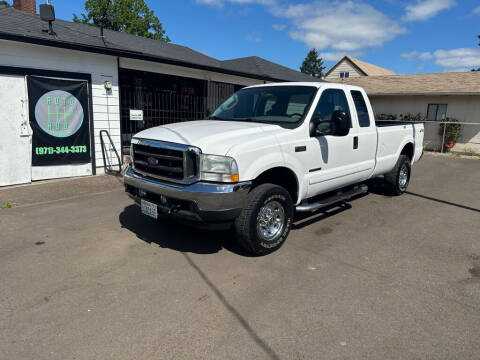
(218, 168)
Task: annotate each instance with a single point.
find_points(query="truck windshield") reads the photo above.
(269, 104)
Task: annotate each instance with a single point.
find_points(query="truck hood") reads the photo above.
(211, 136)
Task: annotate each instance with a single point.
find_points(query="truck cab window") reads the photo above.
(331, 103)
(361, 107)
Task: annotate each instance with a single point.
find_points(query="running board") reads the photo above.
(342, 196)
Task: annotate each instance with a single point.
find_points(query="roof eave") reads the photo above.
(129, 54)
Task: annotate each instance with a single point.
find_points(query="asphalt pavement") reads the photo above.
(83, 275)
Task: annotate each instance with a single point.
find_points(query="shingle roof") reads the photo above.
(20, 26)
(455, 83)
(370, 69)
(364, 67)
(266, 68)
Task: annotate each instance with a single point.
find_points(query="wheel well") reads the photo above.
(408, 150)
(282, 176)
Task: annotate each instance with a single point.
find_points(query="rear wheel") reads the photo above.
(398, 179)
(265, 222)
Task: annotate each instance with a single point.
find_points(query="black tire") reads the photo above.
(395, 179)
(248, 225)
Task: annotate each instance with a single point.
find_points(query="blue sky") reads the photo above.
(412, 36)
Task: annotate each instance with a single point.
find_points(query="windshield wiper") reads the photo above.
(215, 118)
(245, 119)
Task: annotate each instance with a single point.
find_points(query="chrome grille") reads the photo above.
(166, 161)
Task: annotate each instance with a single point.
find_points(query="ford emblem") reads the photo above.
(152, 161)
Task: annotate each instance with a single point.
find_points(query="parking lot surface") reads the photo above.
(84, 276)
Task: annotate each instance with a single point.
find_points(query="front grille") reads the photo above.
(167, 161)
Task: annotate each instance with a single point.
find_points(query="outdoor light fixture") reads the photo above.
(107, 85)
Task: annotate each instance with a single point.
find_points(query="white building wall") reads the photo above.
(344, 66)
(464, 108)
(106, 112)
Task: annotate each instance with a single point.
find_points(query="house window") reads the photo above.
(344, 75)
(437, 112)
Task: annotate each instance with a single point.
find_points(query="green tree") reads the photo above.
(4, 3)
(129, 16)
(478, 36)
(313, 64)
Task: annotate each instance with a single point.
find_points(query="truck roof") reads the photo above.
(313, 83)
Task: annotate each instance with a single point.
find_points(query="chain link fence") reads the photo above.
(448, 136)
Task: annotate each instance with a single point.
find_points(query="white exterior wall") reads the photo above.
(344, 66)
(106, 112)
(465, 108)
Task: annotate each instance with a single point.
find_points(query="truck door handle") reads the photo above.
(355, 142)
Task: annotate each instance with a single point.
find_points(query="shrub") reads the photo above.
(411, 117)
(453, 132)
(385, 117)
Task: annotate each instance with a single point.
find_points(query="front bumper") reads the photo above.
(201, 201)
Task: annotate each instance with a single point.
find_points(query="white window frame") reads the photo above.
(437, 108)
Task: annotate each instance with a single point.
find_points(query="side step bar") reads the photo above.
(340, 196)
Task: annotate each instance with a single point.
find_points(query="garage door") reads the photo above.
(15, 134)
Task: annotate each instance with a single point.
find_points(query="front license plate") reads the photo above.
(149, 209)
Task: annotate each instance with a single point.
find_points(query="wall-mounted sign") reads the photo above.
(136, 115)
(59, 121)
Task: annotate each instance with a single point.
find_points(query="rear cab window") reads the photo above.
(361, 107)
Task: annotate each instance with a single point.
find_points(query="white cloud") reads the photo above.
(342, 26)
(218, 3)
(254, 36)
(221, 3)
(476, 11)
(457, 59)
(330, 25)
(425, 56)
(410, 55)
(425, 9)
(279, 27)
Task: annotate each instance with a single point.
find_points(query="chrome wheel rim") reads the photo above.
(271, 221)
(403, 177)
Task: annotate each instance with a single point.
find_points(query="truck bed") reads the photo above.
(383, 123)
(392, 136)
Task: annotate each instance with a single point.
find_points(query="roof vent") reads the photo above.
(47, 13)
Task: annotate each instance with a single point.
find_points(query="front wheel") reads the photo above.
(265, 221)
(398, 179)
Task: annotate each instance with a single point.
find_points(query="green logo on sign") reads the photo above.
(59, 113)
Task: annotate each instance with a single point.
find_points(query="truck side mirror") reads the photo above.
(342, 122)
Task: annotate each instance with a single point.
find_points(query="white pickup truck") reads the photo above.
(266, 152)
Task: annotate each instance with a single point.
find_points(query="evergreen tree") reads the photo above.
(313, 64)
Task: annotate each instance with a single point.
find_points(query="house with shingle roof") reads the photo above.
(350, 67)
(435, 97)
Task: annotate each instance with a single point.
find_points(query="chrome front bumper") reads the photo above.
(201, 201)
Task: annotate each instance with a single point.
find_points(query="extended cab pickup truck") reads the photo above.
(266, 152)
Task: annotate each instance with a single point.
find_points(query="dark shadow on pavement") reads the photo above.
(443, 201)
(377, 186)
(308, 218)
(168, 233)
